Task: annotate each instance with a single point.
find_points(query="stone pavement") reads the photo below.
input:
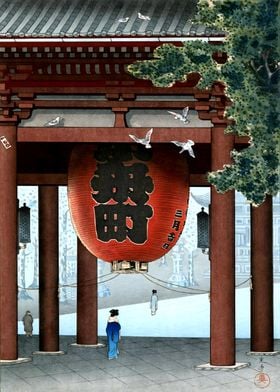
(144, 364)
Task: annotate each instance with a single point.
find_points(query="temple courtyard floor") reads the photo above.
(144, 364)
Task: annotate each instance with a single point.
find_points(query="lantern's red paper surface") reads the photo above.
(157, 185)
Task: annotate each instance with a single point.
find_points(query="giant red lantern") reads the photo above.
(128, 202)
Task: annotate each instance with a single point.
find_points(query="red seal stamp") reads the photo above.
(262, 380)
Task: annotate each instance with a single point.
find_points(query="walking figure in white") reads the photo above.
(154, 302)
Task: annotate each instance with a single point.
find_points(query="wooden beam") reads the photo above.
(199, 180)
(42, 179)
(86, 88)
(62, 179)
(118, 135)
(241, 140)
(110, 134)
(103, 104)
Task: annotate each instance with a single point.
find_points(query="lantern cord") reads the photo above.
(245, 281)
(191, 288)
(87, 282)
(167, 288)
(102, 276)
(156, 280)
(177, 285)
(151, 279)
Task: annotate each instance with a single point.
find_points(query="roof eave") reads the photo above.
(99, 40)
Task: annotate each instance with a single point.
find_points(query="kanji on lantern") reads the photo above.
(127, 202)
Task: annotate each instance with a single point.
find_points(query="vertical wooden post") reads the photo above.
(86, 297)
(48, 268)
(262, 277)
(222, 259)
(8, 242)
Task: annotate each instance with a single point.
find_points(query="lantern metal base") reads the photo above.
(127, 267)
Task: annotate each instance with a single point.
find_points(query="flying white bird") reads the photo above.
(124, 20)
(186, 146)
(144, 17)
(56, 122)
(145, 141)
(182, 117)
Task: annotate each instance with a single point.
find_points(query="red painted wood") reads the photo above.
(8, 246)
(110, 134)
(86, 296)
(86, 87)
(262, 277)
(222, 260)
(42, 179)
(62, 179)
(94, 104)
(48, 269)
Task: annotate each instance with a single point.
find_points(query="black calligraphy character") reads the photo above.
(176, 225)
(171, 237)
(165, 245)
(121, 221)
(179, 213)
(121, 189)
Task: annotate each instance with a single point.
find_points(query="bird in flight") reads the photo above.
(186, 146)
(144, 17)
(56, 122)
(182, 117)
(145, 141)
(124, 20)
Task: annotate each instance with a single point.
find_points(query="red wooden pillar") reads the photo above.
(48, 269)
(86, 297)
(8, 243)
(262, 277)
(222, 260)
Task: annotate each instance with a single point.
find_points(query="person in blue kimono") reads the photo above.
(113, 334)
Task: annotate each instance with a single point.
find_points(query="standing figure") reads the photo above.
(154, 302)
(113, 334)
(28, 323)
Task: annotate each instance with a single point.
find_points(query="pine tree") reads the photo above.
(250, 77)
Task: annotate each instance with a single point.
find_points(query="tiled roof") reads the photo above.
(99, 18)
